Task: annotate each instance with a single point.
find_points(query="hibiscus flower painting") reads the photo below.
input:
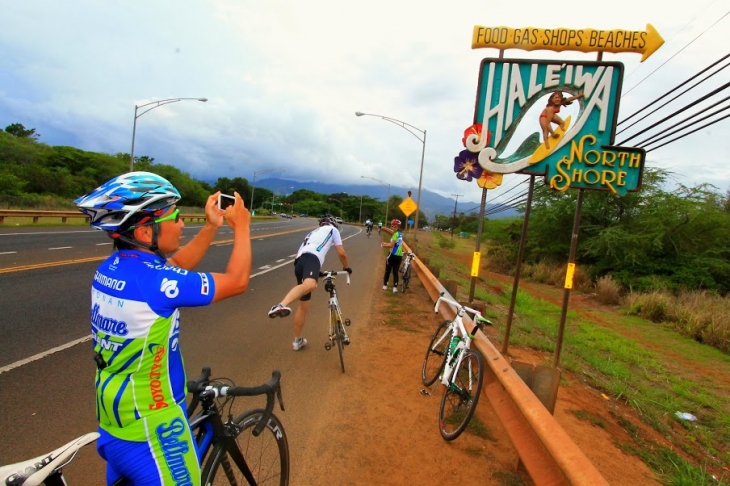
(490, 180)
(467, 166)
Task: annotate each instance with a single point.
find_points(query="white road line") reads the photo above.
(292, 256)
(8, 252)
(102, 244)
(265, 267)
(61, 248)
(280, 260)
(38, 356)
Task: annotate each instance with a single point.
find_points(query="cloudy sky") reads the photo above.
(284, 80)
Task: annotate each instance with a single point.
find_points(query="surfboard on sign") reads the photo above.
(553, 141)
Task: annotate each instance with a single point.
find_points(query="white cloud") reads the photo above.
(285, 78)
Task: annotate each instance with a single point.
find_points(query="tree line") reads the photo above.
(36, 175)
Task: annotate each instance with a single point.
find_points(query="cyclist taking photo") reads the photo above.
(135, 321)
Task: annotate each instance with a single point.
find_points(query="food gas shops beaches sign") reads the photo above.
(578, 153)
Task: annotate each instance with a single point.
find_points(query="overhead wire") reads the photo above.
(675, 54)
(671, 91)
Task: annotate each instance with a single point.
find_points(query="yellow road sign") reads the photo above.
(408, 206)
(645, 42)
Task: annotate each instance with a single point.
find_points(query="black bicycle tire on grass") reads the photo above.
(455, 400)
(406, 278)
(274, 431)
(429, 371)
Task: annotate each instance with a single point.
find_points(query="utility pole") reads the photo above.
(453, 223)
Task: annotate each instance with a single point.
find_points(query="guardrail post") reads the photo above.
(35, 219)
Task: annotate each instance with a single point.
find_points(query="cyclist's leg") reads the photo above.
(388, 269)
(396, 260)
(166, 457)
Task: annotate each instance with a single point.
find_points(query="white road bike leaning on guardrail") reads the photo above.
(459, 368)
(405, 270)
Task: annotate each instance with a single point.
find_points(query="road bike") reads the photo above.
(450, 359)
(405, 269)
(337, 336)
(250, 449)
(368, 231)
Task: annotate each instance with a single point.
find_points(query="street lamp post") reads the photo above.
(338, 202)
(253, 186)
(387, 200)
(408, 127)
(359, 220)
(156, 104)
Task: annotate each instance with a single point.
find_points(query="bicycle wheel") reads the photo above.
(435, 358)
(339, 337)
(267, 455)
(461, 396)
(406, 278)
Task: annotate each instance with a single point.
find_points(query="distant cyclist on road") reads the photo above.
(380, 226)
(368, 226)
(135, 322)
(307, 264)
(395, 257)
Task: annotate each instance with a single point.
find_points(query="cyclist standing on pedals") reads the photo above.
(392, 263)
(135, 321)
(307, 265)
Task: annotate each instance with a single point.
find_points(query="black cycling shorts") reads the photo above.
(306, 266)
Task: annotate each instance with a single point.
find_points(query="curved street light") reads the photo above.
(338, 202)
(409, 128)
(387, 201)
(253, 186)
(156, 104)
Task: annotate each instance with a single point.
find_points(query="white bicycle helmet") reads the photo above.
(113, 203)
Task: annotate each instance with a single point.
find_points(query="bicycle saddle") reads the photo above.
(34, 471)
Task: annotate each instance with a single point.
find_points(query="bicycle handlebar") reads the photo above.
(201, 388)
(331, 274)
(479, 320)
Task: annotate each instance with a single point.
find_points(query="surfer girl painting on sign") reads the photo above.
(550, 114)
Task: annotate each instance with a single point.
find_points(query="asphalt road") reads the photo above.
(45, 278)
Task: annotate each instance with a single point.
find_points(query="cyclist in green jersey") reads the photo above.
(136, 297)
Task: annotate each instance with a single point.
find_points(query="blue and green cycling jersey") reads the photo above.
(135, 326)
(397, 239)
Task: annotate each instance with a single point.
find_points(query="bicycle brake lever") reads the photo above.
(279, 397)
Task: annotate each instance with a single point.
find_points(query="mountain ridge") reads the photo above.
(431, 202)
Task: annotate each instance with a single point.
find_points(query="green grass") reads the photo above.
(647, 365)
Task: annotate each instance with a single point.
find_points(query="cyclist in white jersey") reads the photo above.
(307, 264)
(136, 297)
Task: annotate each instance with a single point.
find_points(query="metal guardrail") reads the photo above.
(548, 453)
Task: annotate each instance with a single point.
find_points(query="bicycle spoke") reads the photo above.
(461, 396)
(435, 358)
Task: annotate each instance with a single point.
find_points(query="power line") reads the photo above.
(683, 48)
(671, 91)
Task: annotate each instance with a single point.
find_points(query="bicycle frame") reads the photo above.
(457, 326)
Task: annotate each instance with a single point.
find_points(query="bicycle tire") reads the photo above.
(406, 278)
(433, 363)
(458, 405)
(260, 453)
(339, 337)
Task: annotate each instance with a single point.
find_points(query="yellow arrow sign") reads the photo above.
(408, 206)
(583, 40)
